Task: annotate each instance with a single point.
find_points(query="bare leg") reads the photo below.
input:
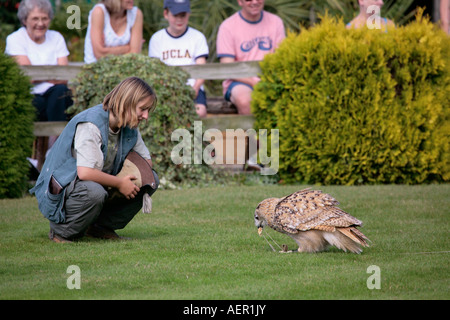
(241, 96)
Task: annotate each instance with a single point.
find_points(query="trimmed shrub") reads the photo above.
(175, 110)
(16, 132)
(359, 106)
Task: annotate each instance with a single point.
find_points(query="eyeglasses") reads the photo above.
(37, 19)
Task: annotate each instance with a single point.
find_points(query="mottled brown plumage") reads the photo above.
(313, 220)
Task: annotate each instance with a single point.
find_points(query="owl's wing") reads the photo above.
(311, 210)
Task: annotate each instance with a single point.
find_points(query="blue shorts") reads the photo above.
(201, 97)
(232, 85)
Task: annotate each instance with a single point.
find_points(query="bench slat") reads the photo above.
(220, 71)
(60, 73)
(208, 71)
(48, 128)
(221, 122)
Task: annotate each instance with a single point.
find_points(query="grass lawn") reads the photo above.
(202, 244)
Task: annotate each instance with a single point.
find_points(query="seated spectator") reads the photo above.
(180, 44)
(247, 35)
(365, 16)
(35, 44)
(114, 27)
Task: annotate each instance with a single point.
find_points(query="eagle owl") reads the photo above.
(313, 220)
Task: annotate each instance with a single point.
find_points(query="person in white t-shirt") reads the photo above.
(35, 44)
(180, 44)
(114, 27)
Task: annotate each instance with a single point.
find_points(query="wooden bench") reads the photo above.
(221, 114)
(43, 130)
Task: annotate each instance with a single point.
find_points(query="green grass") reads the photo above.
(202, 244)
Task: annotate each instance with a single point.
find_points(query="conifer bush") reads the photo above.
(175, 110)
(16, 132)
(359, 106)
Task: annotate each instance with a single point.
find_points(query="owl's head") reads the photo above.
(259, 222)
(264, 212)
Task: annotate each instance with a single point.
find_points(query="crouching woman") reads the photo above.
(72, 189)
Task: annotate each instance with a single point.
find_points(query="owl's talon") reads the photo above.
(284, 248)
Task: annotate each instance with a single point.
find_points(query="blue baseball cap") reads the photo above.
(177, 6)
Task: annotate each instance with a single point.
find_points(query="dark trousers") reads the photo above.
(52, 105)
(87, 202)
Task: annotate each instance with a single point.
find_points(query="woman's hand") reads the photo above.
(127, 187)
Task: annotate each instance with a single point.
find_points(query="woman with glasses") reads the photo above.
(35, 44)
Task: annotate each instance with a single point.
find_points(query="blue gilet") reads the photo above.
(62, 166)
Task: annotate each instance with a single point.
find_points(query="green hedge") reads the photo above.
(175, 110)
(16, 132)
(359, 106)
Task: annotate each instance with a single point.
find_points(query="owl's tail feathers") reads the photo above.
(357, 237)
(347, 239)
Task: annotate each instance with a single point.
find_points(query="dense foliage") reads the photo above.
(359, 106)
(16, 132)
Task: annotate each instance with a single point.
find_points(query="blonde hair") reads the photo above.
(113, 6)
(124, 98)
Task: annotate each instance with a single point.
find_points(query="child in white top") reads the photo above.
(180, 44)
(115, 27)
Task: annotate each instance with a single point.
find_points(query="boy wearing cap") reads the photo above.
(180, 44)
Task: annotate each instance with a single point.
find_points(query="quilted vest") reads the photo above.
(60, 164)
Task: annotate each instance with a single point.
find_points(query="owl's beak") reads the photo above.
(260, 229)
